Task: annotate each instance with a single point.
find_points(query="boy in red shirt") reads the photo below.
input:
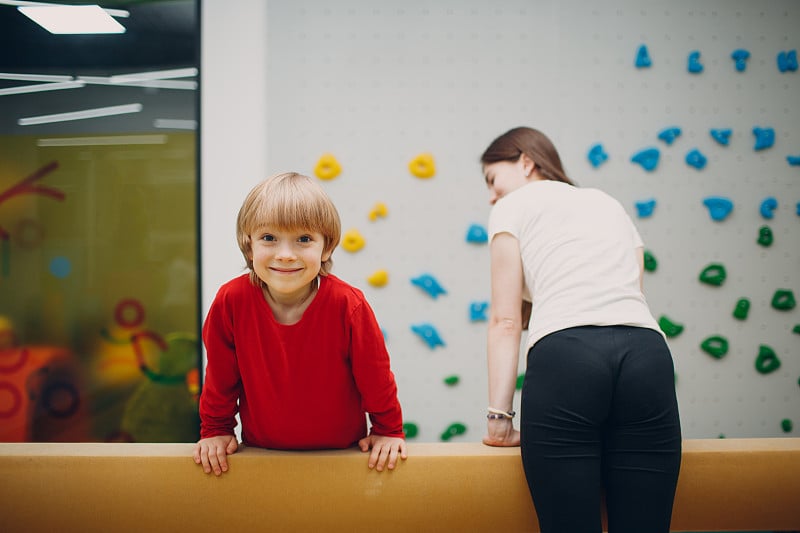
(297, 351)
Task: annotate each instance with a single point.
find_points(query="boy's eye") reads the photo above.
(305, 238)
(268, 237)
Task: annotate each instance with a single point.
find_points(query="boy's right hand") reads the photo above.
(213, 453)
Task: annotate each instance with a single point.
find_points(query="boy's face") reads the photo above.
(287, 260)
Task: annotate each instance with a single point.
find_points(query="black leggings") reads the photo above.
(600, 417)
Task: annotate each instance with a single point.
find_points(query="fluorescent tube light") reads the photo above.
(79, 115)
(110, 140)
(119, 13)
(155, 83)
(175, 124)
(34, 77)
(72, 19)
(155, 75)
(40, 87)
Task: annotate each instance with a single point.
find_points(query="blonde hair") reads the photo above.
(288, 201)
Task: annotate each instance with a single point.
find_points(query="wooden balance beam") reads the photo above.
(725, 485)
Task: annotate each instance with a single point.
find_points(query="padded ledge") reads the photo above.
(725, 485)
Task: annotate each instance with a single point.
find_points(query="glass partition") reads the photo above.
(99, 279)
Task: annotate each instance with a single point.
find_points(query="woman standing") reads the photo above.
(599, 410)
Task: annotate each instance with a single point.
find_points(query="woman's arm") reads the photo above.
(505, 331)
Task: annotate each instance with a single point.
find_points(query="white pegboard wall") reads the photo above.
(376, 84)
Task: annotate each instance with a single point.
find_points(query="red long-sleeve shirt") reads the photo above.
(301, 386)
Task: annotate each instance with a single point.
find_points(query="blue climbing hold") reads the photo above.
(740, 57)
(668, 135)
(643, 58)
(429, 334)
(722, 136)
(429, 284)
(696, 159)
(787, 61)
(648, 158)
(477, 234)
(719, 207)
(477, 311)
(694, 66)
(597, 155)
(765, 138)
(768, 207)
(645, 208)
(794, 160)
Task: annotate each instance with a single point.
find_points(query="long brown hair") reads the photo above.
(533, 143)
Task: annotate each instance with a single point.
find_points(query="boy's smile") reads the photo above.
(288, 262)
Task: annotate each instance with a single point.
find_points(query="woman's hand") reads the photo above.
(501, 432)
(213, 453)
(385, 451)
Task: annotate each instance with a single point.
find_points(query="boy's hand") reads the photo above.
(213, 453)
(383, 449)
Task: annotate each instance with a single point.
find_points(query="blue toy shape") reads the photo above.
(696, 159)
(768, 207)
(648, 158)
(643, 58)
(597, 155)
(429, 284)
(668, 135)
(797, 209)
(477, 234)
(429, 334)
(645, 208)
(740, 57)
(722, 135)
(694, 66)
(787, 61)
(719, 207)
(477, 311)
(765, 138)
(794, 160)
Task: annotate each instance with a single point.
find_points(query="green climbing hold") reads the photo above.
(456, 428)
(410, 429)
(713, 274)
(670, 328)
(767, 361)
(452, 380)
(520, 381)
(650, 263)
(716, 346)
(786, 425)
(742, 308)
(783, 299)
(796, 329)
(765, 236)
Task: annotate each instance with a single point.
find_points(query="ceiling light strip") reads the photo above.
(25, 89)
(155, 84)
(175, 124)
(155, 75)
(110, 140)
(119, 13)
(34, 77)
(80, 115)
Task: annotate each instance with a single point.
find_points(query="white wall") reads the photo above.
(378, 83)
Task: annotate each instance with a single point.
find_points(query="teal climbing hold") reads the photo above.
(713, 274)
(643, 57)
(722, 135)
(783, 300)
(716, 346)
(765, 138)
(647, 158)
(719, 207)
(670, 328)
(767, 360)
(454, 429)
(693, 63)
(742, 309)
(740, 57)
(668, 135)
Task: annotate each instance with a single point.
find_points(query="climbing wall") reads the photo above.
(686, 112)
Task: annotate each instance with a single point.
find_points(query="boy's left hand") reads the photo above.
(383, 449)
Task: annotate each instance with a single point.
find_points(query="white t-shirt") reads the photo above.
(578, 248)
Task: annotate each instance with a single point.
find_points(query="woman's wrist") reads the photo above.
(498, 414)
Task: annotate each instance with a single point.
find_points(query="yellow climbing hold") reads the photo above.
(353, 241)
(379, 278)
(423, 166)
(327, 167)
(380, 210)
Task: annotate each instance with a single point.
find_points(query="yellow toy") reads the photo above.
(380, 210)
(379, 278)
(327, 167)
(422, 166)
